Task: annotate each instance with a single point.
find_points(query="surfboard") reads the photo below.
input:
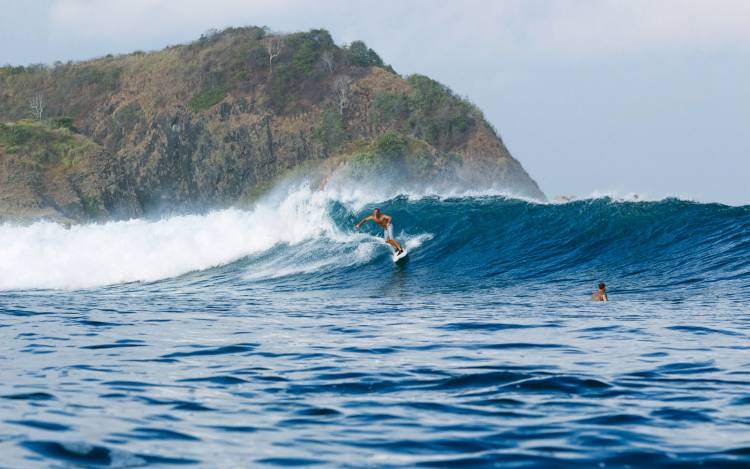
(398, 257)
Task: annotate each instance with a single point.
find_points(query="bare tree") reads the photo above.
(37, 103)
(342, 87)
(329, 60)
(273, 46)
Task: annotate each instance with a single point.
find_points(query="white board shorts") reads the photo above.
(388, 233)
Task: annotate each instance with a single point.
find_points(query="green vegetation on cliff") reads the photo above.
(330, 131)
(207, 98)
(430, 111)
(45, 143)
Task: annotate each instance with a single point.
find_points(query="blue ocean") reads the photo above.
(278, 335)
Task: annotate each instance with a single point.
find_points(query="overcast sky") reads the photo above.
(607, 96)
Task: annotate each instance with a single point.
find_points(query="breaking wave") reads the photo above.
(306, 233)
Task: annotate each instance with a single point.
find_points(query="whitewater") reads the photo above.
(278, 335)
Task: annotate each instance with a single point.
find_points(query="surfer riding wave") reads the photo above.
(386, 222)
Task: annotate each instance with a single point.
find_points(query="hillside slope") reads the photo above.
(215, 122)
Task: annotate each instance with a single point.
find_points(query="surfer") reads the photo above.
(386, 222)
(601, 293)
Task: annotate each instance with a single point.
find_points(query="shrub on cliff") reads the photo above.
(63, 122)
(392, 145)
(359, 54)
(207, 98)
(330, 133)
(43, 143)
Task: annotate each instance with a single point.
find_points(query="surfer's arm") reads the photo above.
(363, 220)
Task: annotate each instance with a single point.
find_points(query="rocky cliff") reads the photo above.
(215, 122)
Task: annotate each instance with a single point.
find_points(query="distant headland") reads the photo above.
(215, 122)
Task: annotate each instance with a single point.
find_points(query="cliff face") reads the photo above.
(214, 122)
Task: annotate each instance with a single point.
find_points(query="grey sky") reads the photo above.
(649, 96)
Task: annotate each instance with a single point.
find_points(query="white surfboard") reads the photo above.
(398, 257)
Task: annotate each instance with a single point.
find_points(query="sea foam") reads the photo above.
(50, 255)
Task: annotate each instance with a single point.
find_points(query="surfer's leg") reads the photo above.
(388, 237)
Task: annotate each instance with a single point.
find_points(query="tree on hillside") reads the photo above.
(342, 89)
(329, 60)
(273, 46)
(37, 103)
(363, 56)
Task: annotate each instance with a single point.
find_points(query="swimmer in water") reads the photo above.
(601, 293)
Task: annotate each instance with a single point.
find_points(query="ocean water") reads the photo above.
(280, 336)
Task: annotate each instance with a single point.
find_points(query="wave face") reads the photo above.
(176, 341)
(462, 240)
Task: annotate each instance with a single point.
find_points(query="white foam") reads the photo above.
(49, 255)
(620, 197)
(414, 242)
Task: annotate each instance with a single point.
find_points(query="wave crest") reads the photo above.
(305, 230)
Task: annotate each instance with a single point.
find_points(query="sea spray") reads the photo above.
(50, 255)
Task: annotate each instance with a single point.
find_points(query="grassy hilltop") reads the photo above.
(214, 122)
